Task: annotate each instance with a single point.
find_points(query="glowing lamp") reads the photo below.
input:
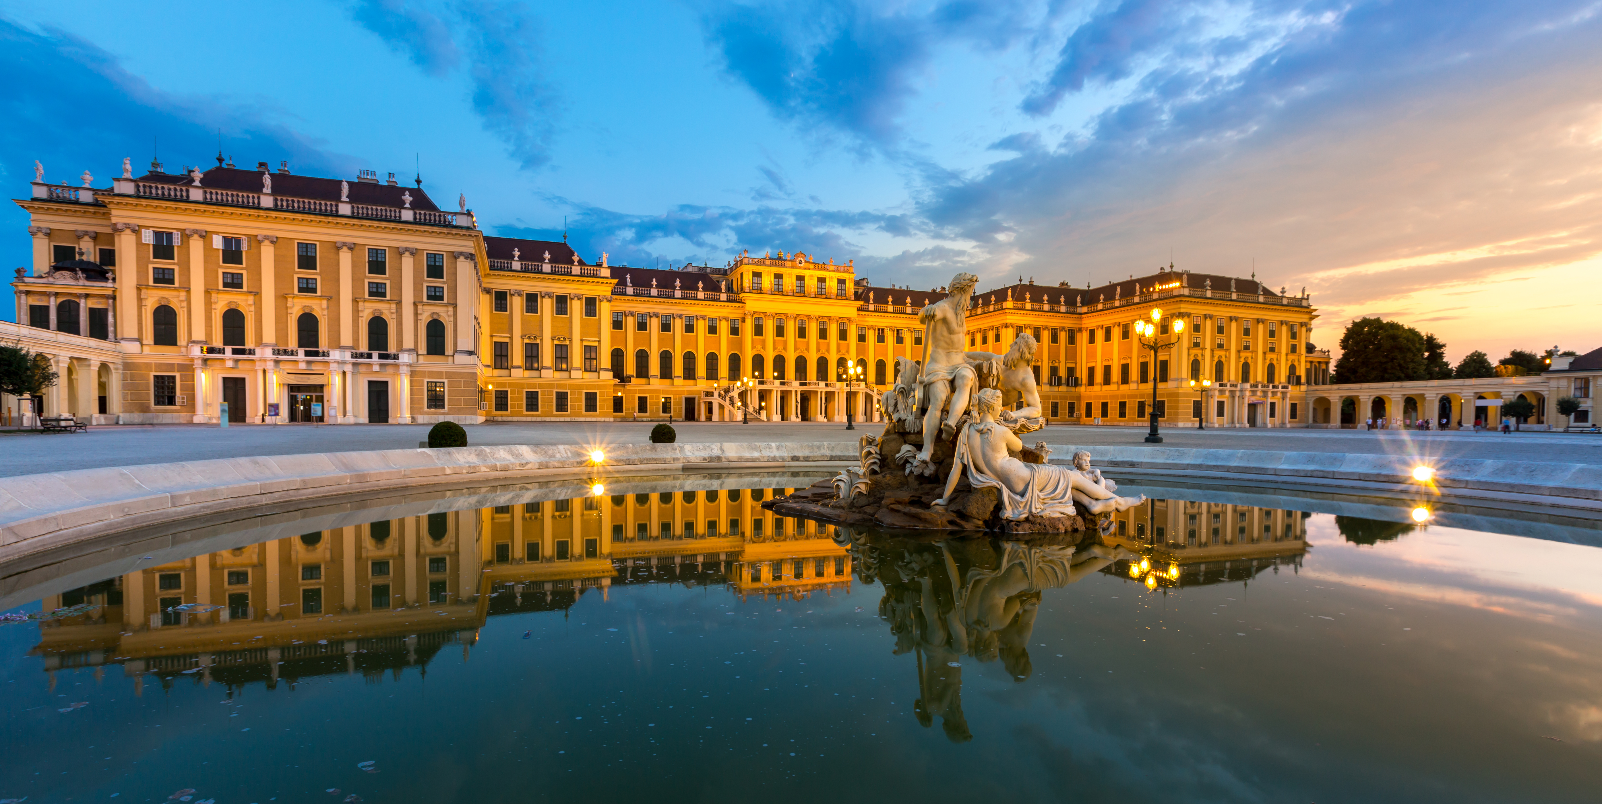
(597, 489)
(597, 456)
(1420, 514)
(1180, 325)
(1156, 313)
(1422, 474)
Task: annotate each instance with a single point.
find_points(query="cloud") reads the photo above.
(846, 65)
(1106, 45)
(501, 40)
(411, 30)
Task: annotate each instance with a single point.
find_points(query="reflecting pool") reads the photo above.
(687, 644)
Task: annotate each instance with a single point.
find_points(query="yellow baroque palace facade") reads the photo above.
(271, 297)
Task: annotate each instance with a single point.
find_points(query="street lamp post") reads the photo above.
(854, 373)
(746, 399)
(1147, 330)
(1202, 388)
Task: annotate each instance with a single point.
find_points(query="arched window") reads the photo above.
(712, 366)
(67, 317)
(1219, 371)
(434, 337)
(378, 335)
(821, 370)
(306, 331)
(863, 368)
(688, 362)
(1247, 372)
(233, 327)
(312, 539)
(164, 326)
(779, 367)
(1197, 369)
(1269, 374)
(879, 372)
(840, 369)
(801, 368)
(665, 364)
(735, 374)
(757, 368)
(617, 362)
(437, 526)
(642, 360)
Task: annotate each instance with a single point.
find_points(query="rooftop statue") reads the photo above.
(128, 168)
(345, 191)
(38, 171)
(267, 183)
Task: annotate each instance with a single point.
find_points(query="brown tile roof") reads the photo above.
(1126, 289)
(500, 248)
(1585, 362)
(898, 296)
(642, 278)
(296, 186)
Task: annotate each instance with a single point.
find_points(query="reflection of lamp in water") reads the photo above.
(1136, 570)
(1175, 571)
(597, 456)
(1420, 514)
(1145, 564)
(1422, 474)
(596, 489)
(1151, 582)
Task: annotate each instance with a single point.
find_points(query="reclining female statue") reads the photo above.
(1027, 488)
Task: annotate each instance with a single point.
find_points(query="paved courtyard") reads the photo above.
(122, 446)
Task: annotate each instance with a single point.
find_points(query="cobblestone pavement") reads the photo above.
(122, 446)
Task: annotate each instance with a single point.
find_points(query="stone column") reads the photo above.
(467, 295)
(270, 565)
(604, 352)
(202, 392)
(1467, 410)
(348, 564)
(127, 276)
(195, 249)
(345, 303)
(404, 383)
(89, 390)
(54, 327)
(267, 311)
(409, 298)
(348, 412)
(41, 250)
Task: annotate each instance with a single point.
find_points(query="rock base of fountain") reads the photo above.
(899, 498)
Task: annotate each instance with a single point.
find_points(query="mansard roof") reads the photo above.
(1125, 289)
(500, 248)
(297, 186)
(626, 276)
(899, 296)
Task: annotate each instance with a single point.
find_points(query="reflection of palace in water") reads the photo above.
(388, 595)
(1209, 542)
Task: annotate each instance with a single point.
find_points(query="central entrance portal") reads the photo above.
(234, 396)
(378, 401)
(306, 404)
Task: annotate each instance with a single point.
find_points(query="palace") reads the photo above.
(273, 297)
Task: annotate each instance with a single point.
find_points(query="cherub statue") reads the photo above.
(985, 451)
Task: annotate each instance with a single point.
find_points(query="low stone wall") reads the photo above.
(43, 511)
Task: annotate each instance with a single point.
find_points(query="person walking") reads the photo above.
(1503, 428)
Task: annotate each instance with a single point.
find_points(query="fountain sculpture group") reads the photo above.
(953, 426)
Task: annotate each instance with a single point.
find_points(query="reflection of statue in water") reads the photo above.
(983, 454)
(971, 597)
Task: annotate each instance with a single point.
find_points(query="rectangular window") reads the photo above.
(1091, 335)
(501, 400)
(757, 326)
(381, 596)
(163, 246)
(779, 283)
(499, 300)
(531, 355)
(1163, 371)
(801, 286)
(1108, 375)
(665, 323)
(161, 276)
(841, 331)
(779, 328)
(239, 577)
(1197, 408)
(164, 389)
(1052, 335)
(378, 262)
(499, 350)
(1141, 409)
(1247, 329)
(1124, 332)
(690, 325)
(712, 326)
(434, 266)
(1108, 334)
(561, 405)
(559, 356)
(377, 290)
(311, 601)
(1103, 410)
(840, 288)
(560, 304)
(590, 401)
(618, 322)
(757, 282)
(899, 337)
(434, 293)
(1292, 411)
(532, 551)
(1124, 373)
(437, 564)
(863, 334)
(306, 285)
(735, 328)
(169, 581)
(1141, 372)
(438, 592)
(233, 249)
(531, 303)
(618, 403)
(108, 258)
(1036, 333)
(434, 395)
(879, 335)
(233, 280)
(306, 256)
(590, 357)
(60, 253)
(1055, 410)
(379, 569)
(590, 306)
(1272, 329)
(1123, 409)
(819, 287)
(531, 401)
(1219, 408)
(640, 404)
(1219, 326)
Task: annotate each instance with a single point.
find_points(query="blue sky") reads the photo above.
(1438, 163)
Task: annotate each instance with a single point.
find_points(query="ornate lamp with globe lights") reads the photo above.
(1147, 331)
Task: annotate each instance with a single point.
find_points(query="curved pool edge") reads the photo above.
(44, 511)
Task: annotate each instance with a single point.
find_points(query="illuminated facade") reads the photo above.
(292, 299)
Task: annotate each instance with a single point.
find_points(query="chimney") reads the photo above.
(284, 166)
(261, 166)
(367, 176)
(391, 180)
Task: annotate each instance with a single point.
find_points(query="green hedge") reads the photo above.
(663, 434)
(447, 434)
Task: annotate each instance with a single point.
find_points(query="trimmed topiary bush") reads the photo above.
(447, 434)
(662, 434)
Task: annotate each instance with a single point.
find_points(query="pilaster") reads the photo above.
(196, 251)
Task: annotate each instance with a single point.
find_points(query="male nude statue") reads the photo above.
(947, 378)
(1018, 384)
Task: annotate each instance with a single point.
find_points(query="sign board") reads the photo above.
(222, 414)
(272, 408)
(317, 409)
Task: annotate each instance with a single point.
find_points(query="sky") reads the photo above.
(1435, 163)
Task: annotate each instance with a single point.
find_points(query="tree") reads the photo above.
(1566, 406)
(1531, 361)
(1359, 530)
(25, 373)
(1437, 367)
(1475, 366)
(1380, 351)
(1520, 409)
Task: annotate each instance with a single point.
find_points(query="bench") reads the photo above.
(62, 424)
